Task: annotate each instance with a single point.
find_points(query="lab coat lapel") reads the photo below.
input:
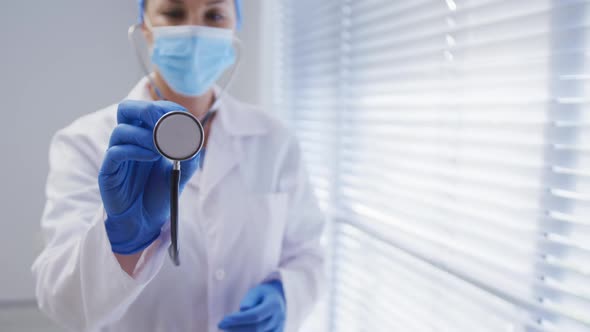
(220, 158)
(233, 123)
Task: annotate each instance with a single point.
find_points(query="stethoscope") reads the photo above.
(179, 136)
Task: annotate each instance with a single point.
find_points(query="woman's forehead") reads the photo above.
(191, 3)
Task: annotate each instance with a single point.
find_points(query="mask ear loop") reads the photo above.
(223, 90)
(140, 58)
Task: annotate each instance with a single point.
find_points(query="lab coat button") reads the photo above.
(220, 274)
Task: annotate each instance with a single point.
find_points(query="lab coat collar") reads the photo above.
(234, 117)
(235, 121)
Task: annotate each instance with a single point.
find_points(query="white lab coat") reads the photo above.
(249, 215)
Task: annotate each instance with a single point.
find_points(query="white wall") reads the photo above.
(248, 81)
(61, 59)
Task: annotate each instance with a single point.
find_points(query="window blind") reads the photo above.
(449, 142)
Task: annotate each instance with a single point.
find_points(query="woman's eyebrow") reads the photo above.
(214, 2)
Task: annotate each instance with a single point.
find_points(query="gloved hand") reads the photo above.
(134, 179)
(263, 309)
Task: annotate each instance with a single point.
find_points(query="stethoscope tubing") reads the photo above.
(173, 250)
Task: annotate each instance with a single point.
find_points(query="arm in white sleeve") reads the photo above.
(301, 266)
(79, 282)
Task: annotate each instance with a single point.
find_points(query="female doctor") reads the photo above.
(250, 227)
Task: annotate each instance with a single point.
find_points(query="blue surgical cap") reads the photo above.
(238, 11)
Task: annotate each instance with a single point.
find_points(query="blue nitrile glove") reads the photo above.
(263, 309)
(134, 179)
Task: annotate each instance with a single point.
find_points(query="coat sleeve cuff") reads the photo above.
(152, 258)
(302, 290)
(112, 290)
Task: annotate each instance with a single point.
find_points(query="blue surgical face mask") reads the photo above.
(192, 58)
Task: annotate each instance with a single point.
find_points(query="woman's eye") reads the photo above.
(175, 14)
(215, 16)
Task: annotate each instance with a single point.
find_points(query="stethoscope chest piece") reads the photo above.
(178, 136)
